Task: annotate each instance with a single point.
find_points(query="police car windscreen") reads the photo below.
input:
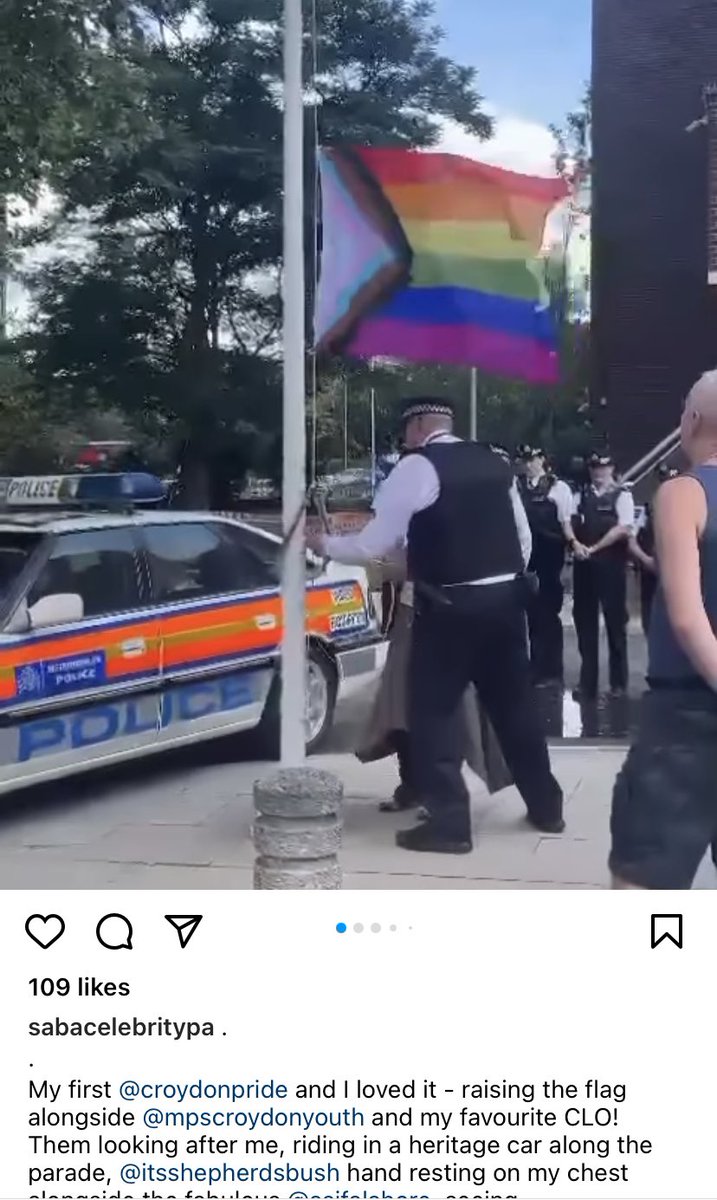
(15, 550)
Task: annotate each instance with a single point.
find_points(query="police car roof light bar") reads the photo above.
(123, 490)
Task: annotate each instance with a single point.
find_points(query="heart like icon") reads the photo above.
(45, 930)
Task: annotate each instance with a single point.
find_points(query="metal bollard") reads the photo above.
(297, 830)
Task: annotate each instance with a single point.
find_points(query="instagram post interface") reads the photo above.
(413, 1048)
(358, 545)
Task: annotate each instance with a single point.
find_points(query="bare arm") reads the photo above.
(680, 518)
(637, 552)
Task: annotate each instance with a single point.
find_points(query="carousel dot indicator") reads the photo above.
(375, 928)
(358, 928)
(341, 927)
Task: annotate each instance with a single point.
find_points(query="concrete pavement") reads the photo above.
(186, 826)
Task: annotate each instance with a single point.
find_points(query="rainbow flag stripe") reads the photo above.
(433, 258)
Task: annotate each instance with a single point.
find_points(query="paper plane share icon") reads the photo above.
(186, 927)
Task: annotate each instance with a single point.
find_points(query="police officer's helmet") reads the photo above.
(600, 460)
(527, 453)
(425, 406)
(664, 473)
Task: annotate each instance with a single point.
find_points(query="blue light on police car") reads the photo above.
(129, 488)
(49, 491)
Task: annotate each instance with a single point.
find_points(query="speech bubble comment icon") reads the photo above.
(114, 932)
(45, 931)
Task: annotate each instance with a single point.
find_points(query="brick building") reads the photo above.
(654, 315)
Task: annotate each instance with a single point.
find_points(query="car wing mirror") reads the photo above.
(62, 608)
(20, 620)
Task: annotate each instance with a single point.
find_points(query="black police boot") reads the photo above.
(428, 839)
(405, 796)
(403, 799)
(546, 825)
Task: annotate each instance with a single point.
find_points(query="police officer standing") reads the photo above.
(468, 543)
(642, 549)
(548, 503)
(602, 524)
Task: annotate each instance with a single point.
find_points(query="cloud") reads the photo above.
(517, 144)
(528, 148)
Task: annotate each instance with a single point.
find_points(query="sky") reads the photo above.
(533, 56)
(533, 60)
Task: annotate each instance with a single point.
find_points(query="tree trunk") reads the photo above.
(195, 487)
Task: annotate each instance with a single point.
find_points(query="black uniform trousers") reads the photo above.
(648, 587)
(544, 610)
(480, 638)
(600, 583)
(390, 596)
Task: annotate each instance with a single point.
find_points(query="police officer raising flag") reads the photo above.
(548, 502)
(468, 543)
(603, 523)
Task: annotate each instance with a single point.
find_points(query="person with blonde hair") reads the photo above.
(664, 805)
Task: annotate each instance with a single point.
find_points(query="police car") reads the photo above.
(127, 629)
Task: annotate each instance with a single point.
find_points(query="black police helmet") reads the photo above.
(598, 459)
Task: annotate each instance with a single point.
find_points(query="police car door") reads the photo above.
(219, 609)
(86, 690)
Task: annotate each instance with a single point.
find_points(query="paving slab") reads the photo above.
(190, 828)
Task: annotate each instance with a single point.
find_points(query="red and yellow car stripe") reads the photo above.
(177, 638)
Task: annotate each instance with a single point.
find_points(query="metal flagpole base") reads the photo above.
(297, 830)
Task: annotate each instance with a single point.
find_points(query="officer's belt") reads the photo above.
(439, 594)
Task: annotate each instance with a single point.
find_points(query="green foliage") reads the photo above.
(573, 159)
(172, 316)
(65, 81)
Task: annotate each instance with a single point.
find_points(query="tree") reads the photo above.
(173, 312)
(66, 82)
(573, 156)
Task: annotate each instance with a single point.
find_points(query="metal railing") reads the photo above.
(653, 459)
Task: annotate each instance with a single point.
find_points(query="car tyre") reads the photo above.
(321, 689)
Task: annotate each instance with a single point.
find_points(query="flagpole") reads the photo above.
(373, 437)
(293, 646)
(474, 404)
(346, 423)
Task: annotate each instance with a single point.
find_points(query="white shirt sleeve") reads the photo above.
(412, 486)
(625, 510)
(521, 524)
(562, 498)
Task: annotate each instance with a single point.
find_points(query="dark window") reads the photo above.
(258, 548)
(100, 566)
(15, 551)
(190, 561)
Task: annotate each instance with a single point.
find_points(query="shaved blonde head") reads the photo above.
(699, 420)
(702, 400)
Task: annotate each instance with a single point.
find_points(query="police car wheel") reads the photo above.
(321, 688)
(320, 698)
